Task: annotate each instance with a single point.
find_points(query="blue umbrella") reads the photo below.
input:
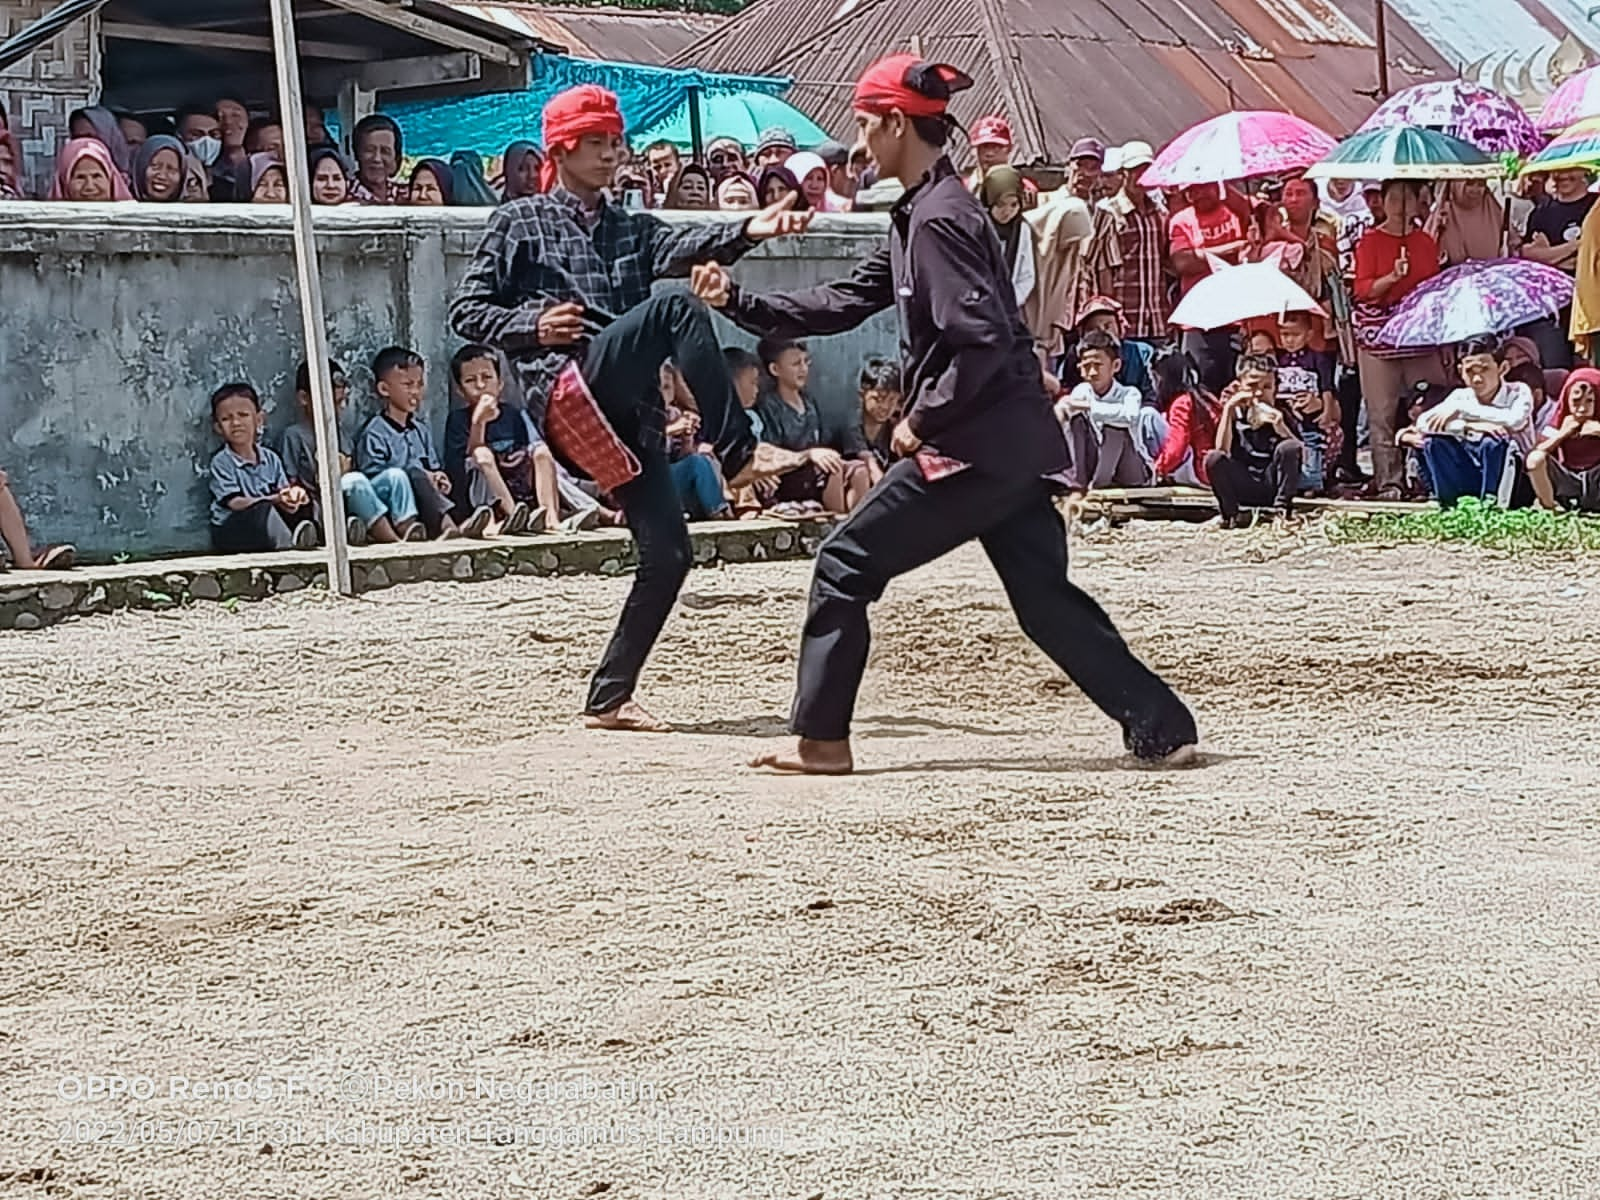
(742, 115)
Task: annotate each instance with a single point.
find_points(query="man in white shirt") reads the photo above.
(1473, 441)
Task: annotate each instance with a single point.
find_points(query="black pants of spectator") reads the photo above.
(1349, 394)
(1236, 485)
(622, 367)
(250, 530)
(907, 521)
(1213, 356)
(433, 506)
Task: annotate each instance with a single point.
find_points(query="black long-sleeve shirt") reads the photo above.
(975, 386)
(540, 251)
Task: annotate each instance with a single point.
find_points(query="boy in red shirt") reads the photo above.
(1206, 226)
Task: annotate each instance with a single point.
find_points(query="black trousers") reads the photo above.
(433, 506)
(1235, 485)
(622, 368)
(906, 522)
(249, 530)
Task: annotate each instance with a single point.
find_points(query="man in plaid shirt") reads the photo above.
(561, 283)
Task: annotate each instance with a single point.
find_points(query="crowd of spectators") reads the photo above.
(1259, 413)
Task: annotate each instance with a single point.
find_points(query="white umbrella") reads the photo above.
(1232, 294)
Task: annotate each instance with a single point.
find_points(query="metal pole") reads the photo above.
(696, 135)
(310, 279)
(1383, 51)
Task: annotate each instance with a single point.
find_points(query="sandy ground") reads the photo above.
(358, 868)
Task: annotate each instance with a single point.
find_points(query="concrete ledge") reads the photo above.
(1196, 504)
(34, 599)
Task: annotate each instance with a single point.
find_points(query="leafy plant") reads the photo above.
(1478, 523)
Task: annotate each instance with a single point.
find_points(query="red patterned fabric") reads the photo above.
(580, 433)
(936, 466)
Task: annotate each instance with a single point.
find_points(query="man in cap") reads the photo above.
(561, 283)
(1136, 251)
(993, 143)
(725, 157)
(1084, 179)
(773, 147)
(975, 445)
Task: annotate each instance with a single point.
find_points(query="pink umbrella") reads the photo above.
(1575, 100)
(1238, 145)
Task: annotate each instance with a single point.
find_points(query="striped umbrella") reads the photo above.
(1405, 152)
(1576, 99)
(1577, 147)
(1493, 123)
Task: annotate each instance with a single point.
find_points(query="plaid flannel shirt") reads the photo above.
(539, 251)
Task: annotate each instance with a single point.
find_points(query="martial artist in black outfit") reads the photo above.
(980, 435)
(564, 277)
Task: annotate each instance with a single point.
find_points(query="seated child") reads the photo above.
(396, 438)
(1532, 378)
(14, 533)
(252, 501)
(745, 368)
(882, 397)
(381, 509)
(1305, 391)
(1471, 441)
(1191, 413)
(1565, 465)
(1256, 461)
(791, 420)
(1112, 436)
(492, 453)
(695, 473)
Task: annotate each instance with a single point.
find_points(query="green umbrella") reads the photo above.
(1406, 152)
(742, 115)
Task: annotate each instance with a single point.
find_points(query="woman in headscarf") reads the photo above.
(774, 184)
(86, 173)
(690, 188)
(260, 179)
(100, 123)
(471, 184)
(1471, 223)
(330, 178)
(196, 180)
(158, 170)
(737, 193)
(812, 173)
(520, 169)
(431, 184)
(1061, 225)
(1002, 196)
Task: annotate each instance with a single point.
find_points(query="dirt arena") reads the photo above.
(351, 907)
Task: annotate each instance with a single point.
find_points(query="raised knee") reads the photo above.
(483, 456)
(1213, 459)
(541, 454)
(1289, 448)
(678, 305)
(1536, 460)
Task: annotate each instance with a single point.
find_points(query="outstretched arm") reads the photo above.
(813, 312)
(675, 250)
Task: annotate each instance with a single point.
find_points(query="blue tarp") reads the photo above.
(489, 123)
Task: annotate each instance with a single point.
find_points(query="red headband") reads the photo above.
(898, 82)
(573, 115)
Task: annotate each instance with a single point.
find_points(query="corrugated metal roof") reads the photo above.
(638, 35)
(1060, 69)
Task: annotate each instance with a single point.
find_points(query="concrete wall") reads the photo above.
(119, 321)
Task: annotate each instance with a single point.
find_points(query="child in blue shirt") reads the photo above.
(396, 438)
(253, 504)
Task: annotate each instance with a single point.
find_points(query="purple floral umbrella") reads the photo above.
(1493, 123)
(1476, 298)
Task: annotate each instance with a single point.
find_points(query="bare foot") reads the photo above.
(809, 758)
(627, 717)
(1179, 759)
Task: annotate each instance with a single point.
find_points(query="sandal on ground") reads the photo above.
(58, 558)
(478, 523)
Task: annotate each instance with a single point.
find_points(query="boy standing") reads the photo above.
(1104, 420)
(252, 500)
(1305, 381)
(396, 439)
(381, 509)
(1257, 459)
